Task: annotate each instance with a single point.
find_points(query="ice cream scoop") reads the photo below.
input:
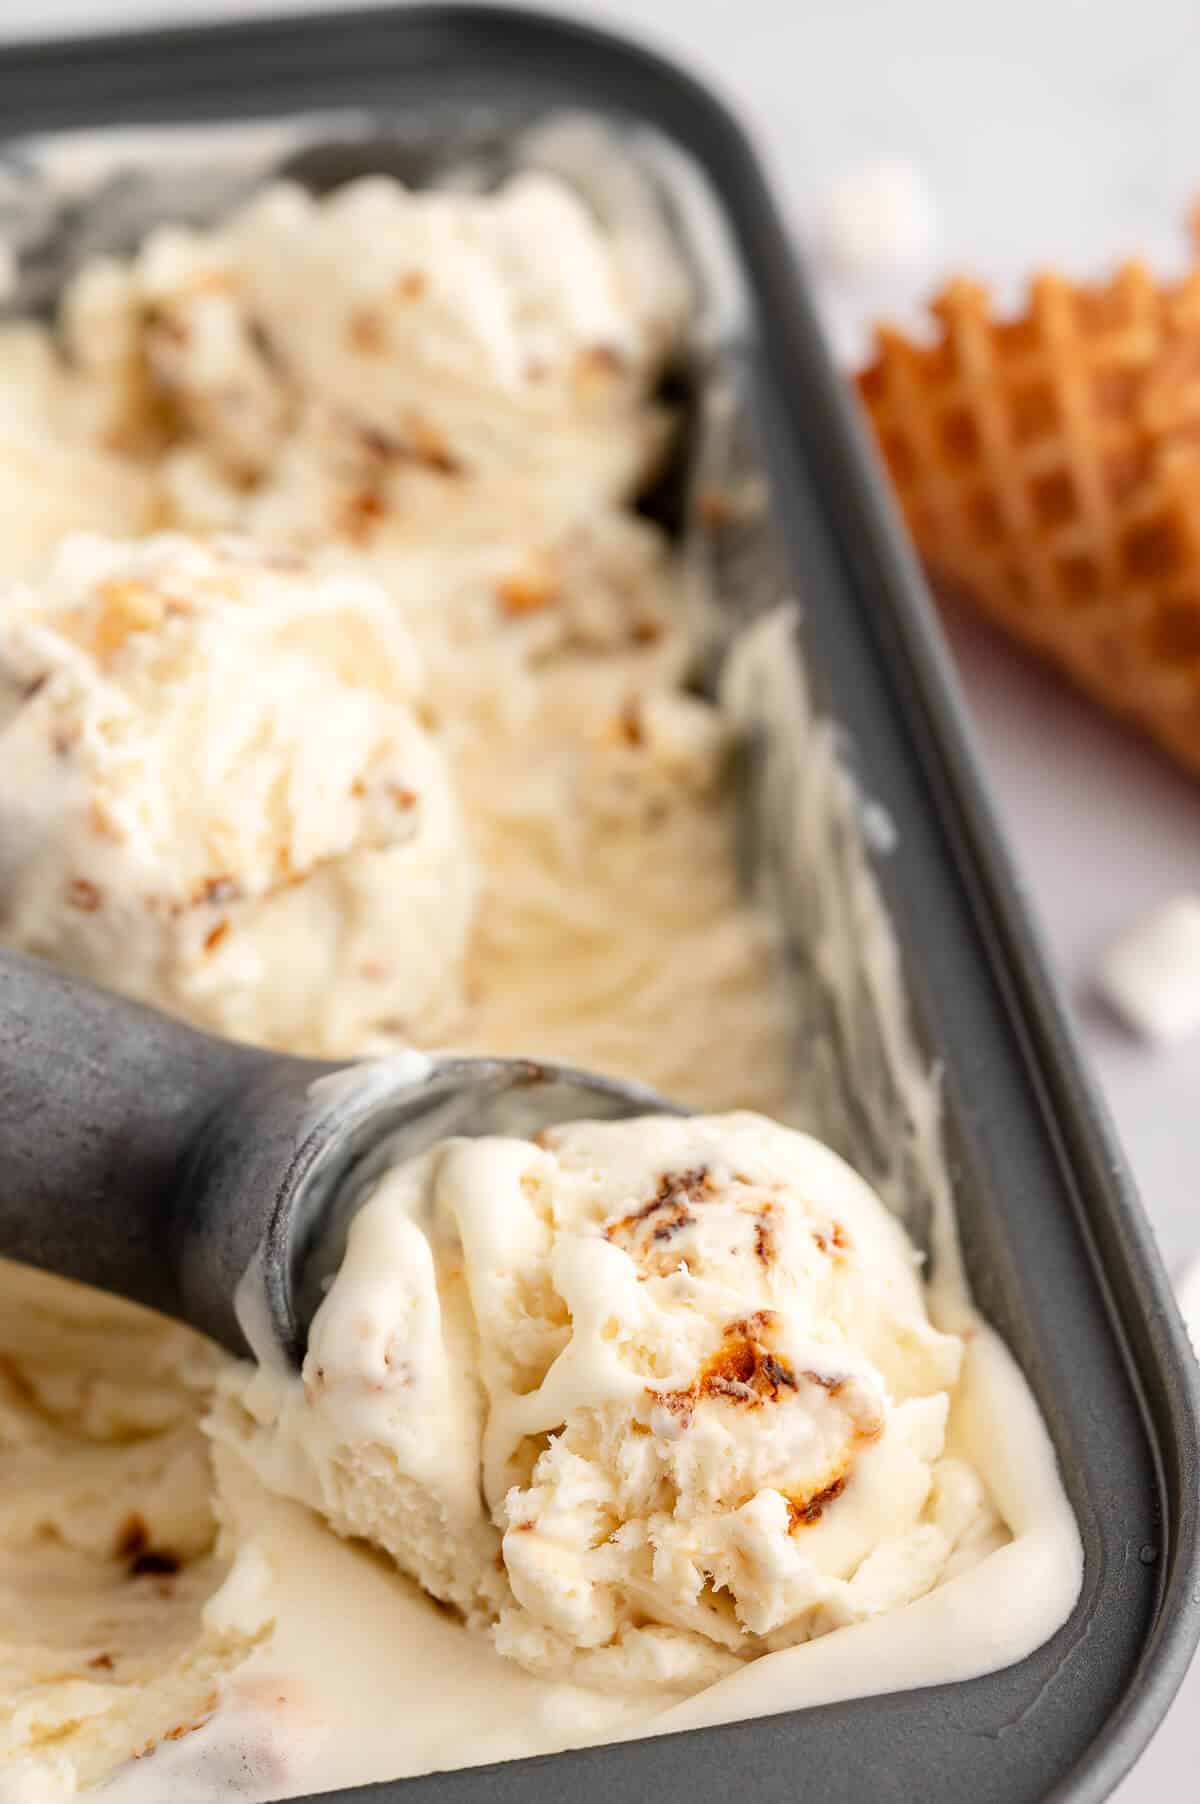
(142, 1156)
(640, 1399)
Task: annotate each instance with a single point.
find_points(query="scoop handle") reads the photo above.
(100, 1102)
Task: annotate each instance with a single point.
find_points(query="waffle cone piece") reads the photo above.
(1049, 470)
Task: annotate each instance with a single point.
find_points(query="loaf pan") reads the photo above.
(1058, 1250)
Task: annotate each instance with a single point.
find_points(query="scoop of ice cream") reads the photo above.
(323, 362)
(215, 793)
(677, 1373)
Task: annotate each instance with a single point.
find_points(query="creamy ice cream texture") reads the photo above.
(642, 1400)
(207, 760)
(650, 1409)
(383, 353)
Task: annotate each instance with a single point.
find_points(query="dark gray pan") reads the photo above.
(1058, 1249)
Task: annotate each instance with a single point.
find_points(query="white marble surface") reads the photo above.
(1064, 130)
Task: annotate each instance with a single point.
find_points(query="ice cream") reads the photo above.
(383, 353)
(391, 737)
(642, 1400)
(57, 472)
(216, 793)
(553, 622)
(107, 1535)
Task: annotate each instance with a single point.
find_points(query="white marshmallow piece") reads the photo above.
(878, 220)
(1187, 1291)
(1151, 975)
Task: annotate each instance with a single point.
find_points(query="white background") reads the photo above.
(1063, 131)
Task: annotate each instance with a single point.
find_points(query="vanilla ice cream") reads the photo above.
(372, 722)
(107, 1533)
(208, 757)
(57, 473)
(642, 1399)
(383, 353)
